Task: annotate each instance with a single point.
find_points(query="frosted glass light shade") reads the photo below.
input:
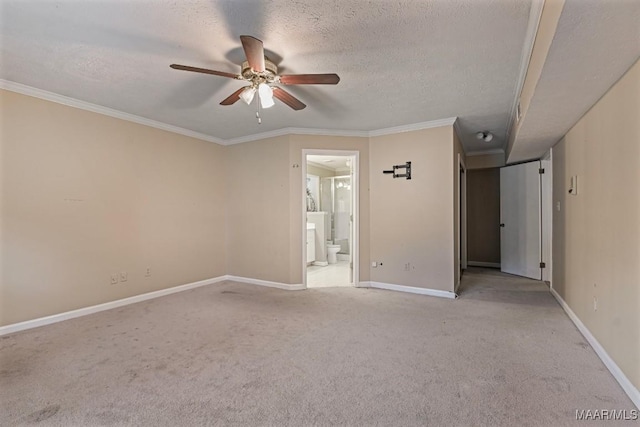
(247, 94)
(266, 95)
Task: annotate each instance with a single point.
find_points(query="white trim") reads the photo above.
(267, 283)
(337, 132)
(83, 105)
(483, 264)
(295, 131)
(412, 289)
(627, 386)
(535, 14)
(485, 152)
(458, 130)
(449, 121)
(42, 321)
(94, 108)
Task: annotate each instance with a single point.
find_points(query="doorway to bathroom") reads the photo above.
(330, 210)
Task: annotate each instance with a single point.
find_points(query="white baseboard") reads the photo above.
(54, 318)
(627, 386)
(483, 264)
(320, 263)
(259, 282)
(409, 289)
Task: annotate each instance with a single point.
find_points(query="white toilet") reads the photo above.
(332, 252)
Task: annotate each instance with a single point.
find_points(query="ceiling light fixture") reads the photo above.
(266, 95)
(247, 94)
(485, 136)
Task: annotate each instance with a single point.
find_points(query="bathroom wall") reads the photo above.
(321, 172)
(85, 196)
(341, 215)
(412, 221)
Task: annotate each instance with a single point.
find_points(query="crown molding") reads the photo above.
(83, 105)
(296, 131)
(485, 152)
(449, 121)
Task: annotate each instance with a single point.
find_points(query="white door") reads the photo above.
(520, 250)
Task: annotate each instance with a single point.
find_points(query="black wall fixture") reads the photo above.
(406, 174)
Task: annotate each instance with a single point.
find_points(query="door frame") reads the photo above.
(461, 217)
(546, 215)
(355, 209)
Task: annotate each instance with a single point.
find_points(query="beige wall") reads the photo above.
(483, 215)
(264, 205)
(483, 161)
(458, 215)
(596, 234)
(258, 214)
(413, 221)
(85, 195)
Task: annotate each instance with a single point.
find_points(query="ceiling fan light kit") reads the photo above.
(262, 74)
(247, 94)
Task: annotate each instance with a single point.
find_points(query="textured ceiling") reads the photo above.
(401, 62)
(596, 42)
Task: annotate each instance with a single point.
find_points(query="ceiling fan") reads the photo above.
(262, 76)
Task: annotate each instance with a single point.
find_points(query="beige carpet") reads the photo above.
(233, 354)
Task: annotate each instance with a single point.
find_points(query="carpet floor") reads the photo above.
(503, 354)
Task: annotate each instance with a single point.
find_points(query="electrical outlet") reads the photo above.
(595, 304)
(374, 264)
(114, 279)
(407, 266)
(148, 273)
(123, 276)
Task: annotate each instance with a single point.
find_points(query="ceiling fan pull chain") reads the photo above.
(258, 113)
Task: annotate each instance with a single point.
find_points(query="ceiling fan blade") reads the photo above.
(254, 51)
(231, 99)
(203, 70)
(288, 99)
(310, 79)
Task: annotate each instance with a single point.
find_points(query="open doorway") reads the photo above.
(330, 218)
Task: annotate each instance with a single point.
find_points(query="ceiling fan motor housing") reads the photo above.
(268, 75)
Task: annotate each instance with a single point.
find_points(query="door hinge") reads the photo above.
(541, 171)
(543, 265)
